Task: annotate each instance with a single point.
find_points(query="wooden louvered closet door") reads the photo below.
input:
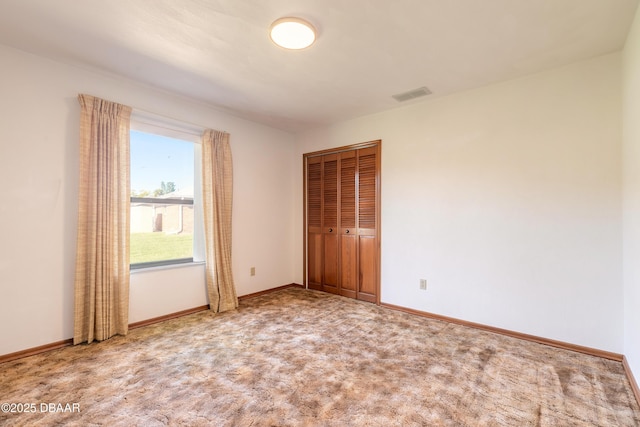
(367, 224)
(330, 222)
(348, 226)
(314, 222)
(342, 221)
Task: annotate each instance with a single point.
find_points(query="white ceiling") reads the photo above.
(219, 52)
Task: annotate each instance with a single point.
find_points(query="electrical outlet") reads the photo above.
(253, 271)
(423, 284)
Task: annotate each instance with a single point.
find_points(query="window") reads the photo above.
(165, 207)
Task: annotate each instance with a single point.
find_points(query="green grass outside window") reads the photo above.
(149, 247)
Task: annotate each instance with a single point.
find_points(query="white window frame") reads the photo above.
(151, 123)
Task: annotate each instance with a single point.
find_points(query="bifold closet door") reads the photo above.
(348, 261)
(322, 213)
(368, 247)
(314, 222)
(330, 222)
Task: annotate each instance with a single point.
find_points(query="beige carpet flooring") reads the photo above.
(304, 358)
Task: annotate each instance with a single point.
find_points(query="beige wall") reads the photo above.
(631, 206)
(39, 169)
(507, 200)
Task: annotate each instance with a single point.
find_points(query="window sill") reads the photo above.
(166, 267)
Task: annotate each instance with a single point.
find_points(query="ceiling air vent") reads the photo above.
(415, 93)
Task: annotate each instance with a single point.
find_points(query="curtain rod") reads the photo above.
(139, 115)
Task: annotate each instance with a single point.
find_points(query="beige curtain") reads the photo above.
(217, 192)
(102, 260)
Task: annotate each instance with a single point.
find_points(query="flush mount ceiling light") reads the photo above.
(292, 33)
